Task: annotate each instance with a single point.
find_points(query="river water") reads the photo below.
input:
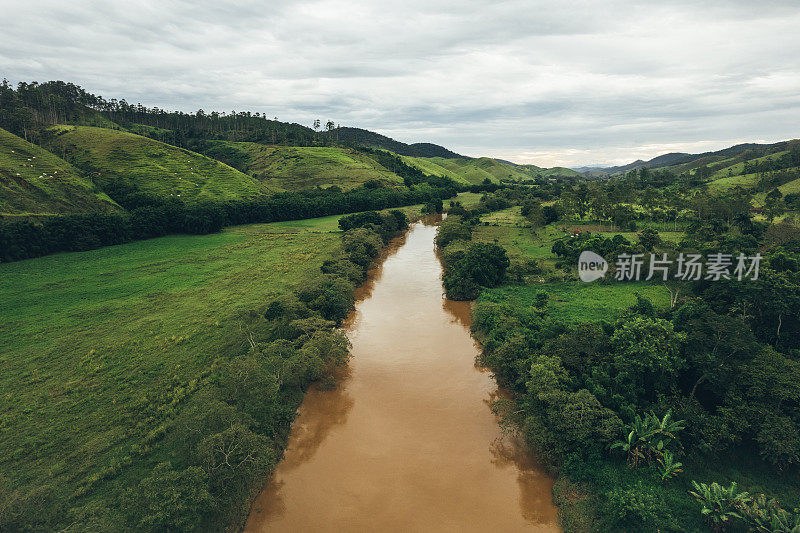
(407, 440)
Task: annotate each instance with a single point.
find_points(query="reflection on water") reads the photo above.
(407, 441)
(310, 431)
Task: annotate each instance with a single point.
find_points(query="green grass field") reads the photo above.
(792, 187)
(34, 181)
(467, 199)
(113, 157)
(572, 301)
(520, 240)
(746, 181)
(292, 168)
(88, 338)
(575, 301)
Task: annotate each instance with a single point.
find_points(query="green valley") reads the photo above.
(174, 286)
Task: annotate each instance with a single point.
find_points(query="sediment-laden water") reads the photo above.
(407, 441)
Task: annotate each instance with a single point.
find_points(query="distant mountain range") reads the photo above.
(683, 161)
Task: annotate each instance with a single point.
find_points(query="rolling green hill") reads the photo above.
(435, 167)
(730, 173)
(553, 172)
(474, 171)
(35, 182)
(468, 171)
(296, 167)
(121, 163)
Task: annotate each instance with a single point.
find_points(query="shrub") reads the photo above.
(453, 228)
(719, 504)
(636, 508)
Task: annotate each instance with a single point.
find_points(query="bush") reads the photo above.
(332, 297)
(636, 508)
(453, 228)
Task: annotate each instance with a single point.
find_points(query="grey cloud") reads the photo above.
(572, 82)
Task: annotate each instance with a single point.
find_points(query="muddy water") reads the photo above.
(407, 441)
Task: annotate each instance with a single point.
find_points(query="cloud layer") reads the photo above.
(541, 82)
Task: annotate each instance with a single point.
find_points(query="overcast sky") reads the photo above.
(550, 83)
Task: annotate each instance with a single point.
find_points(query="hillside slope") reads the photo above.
(35, 182)
(717, 160)
(121, 163)
(361, 137)
(293, 168)
(474, 171)
(553, 172)
(467, 171)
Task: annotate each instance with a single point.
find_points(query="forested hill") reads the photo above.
(123, 152)
(361, 137)
(30, 108)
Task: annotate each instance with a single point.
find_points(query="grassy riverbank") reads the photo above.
(86, 336)
(106, 353)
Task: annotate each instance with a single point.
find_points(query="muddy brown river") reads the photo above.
(407, 441)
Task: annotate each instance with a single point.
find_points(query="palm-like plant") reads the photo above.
(667, 426)
(632, 447)
(719, 504)
(766, 516)
(668, 466)
(647, 438)
(783, 521)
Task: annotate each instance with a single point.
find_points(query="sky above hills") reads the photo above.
(549, 83)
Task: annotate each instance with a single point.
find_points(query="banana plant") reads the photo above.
(719, 504)
(783, 521)
(667, 426)
(647, 438)
(632, 447)
(668, 466)
(764, 515)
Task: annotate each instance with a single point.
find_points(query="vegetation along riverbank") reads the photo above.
(245, 319)
(661, 406)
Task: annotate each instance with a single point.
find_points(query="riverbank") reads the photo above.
(137, 342)
(589, 361)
